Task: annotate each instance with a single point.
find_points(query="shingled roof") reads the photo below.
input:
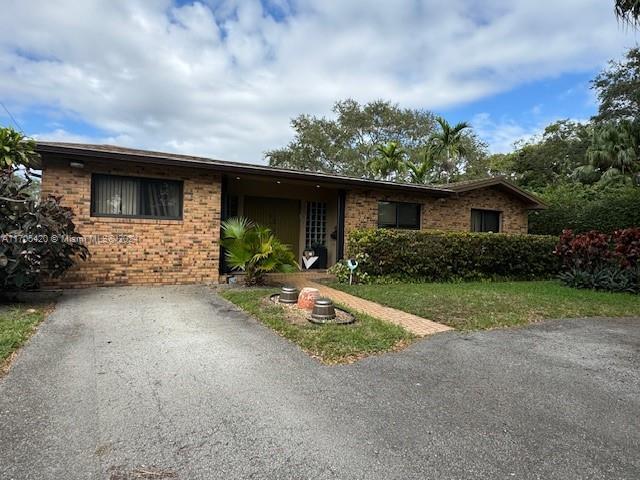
(116, 153)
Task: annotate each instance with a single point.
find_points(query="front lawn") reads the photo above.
(328, 343)
(481, 305)
(17, 323)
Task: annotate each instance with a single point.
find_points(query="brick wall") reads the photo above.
(163, 251)
(451, 214)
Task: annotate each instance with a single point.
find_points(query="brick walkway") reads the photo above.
(417, 325)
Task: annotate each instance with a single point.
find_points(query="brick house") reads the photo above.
(154, 218)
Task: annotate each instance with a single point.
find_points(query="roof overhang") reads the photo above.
(503, 184)
(76, 151)
(108, 152)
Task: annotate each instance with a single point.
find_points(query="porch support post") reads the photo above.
(342, 201)
(224, 215)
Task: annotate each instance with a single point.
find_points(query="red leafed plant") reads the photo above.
(586, 250)
(627, 246)
(602, 262)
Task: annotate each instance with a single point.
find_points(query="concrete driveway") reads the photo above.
(175, 379)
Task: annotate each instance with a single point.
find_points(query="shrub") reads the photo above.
(600, 261)
(400, 255)
(583, 208)
(343, 273)
(606, 277)
(37, 239)
(253, 249)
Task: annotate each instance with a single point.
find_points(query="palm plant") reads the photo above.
(628, 11)
(254, 250)
(450, 143)
(421, 172)
(613, 154)
(389, 162)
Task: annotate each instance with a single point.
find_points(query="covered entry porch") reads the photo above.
(307, 216)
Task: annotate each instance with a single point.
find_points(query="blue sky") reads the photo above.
(222, 78)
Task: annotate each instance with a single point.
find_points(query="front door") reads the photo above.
(281, 215)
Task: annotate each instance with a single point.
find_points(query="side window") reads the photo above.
(485, 220)
(399, 215)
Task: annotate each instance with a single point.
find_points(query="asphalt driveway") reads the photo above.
(176, 379)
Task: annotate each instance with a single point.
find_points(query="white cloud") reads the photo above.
(502, 134)
(223, 79)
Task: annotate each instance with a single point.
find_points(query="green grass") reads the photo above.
(328, 343)
(17, 323)
(481, 305)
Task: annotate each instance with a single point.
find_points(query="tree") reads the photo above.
(628, 11)
(618, 89)
(347, 144)
(16, 150)
(422, 171)
(548, 158)
(254, 250)
(614, 154)
(450, 146)
(389, 163)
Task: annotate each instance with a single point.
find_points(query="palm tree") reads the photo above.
(421, 172)
(614, 151)
(389, 161)
(449, 142)
(254, 250)
(628, 11)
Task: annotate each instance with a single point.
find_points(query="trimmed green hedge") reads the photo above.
(441, 256)
(582, 208)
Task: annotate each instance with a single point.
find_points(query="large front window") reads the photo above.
(399, 215)
(117, 196)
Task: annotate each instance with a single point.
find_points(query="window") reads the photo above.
(115, 196)
(399, 215)
(485, 221)
(316, 227)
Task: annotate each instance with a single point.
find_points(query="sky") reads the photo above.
(223, 78)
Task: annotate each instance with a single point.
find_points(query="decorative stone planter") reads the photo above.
(307, 298)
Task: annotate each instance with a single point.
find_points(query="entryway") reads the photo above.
(281, 215)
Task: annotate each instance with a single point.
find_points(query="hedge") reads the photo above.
(582, 208)
(443, 256)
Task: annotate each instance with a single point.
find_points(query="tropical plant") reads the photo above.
(600, 261)
(389, 163)
(254, 250)
(628, 11)
(37, 238)
(449, 142)
(422, 171)
(614, 154)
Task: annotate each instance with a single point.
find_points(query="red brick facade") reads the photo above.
(127, 251)
(452, 214)
(141, 251)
